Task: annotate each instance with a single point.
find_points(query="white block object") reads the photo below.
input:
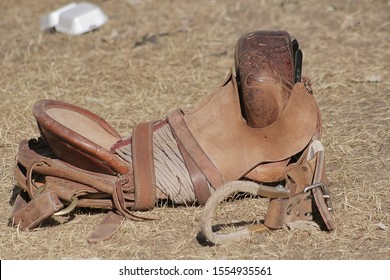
(51, 20)
(78, 19)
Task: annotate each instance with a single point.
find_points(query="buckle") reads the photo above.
(325, 193)
(69, 208)
(323, 187)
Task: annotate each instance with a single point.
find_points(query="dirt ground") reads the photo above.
(153, 56)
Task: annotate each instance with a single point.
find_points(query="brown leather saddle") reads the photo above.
(260, 127)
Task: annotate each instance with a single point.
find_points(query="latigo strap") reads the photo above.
(258, 132)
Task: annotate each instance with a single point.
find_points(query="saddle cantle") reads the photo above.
(260, 126)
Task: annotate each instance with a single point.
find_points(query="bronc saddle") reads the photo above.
(258, 132)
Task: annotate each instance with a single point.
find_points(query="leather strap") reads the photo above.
(143, 166)
(321, 198)
(184, 135)
(199, 181)
(284, 211)
(29, 214)
(57, 168)
(297, 207)
(307, 181)
(110, 224)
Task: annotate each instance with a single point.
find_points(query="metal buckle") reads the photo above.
(69, 208)
(325, 193)
(317, 185)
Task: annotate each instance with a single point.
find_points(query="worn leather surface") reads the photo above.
(143, 167)
(92, 189)
(234, 147)
(28, 214)
(265, 70)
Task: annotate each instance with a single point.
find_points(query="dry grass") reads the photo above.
(153, 56)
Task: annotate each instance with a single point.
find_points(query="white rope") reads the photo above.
(172, 177)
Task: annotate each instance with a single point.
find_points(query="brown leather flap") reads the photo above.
(234, 147)
(28, 215)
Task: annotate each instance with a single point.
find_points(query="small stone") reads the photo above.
(382, 226)
(374, 78)
(330, 9)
